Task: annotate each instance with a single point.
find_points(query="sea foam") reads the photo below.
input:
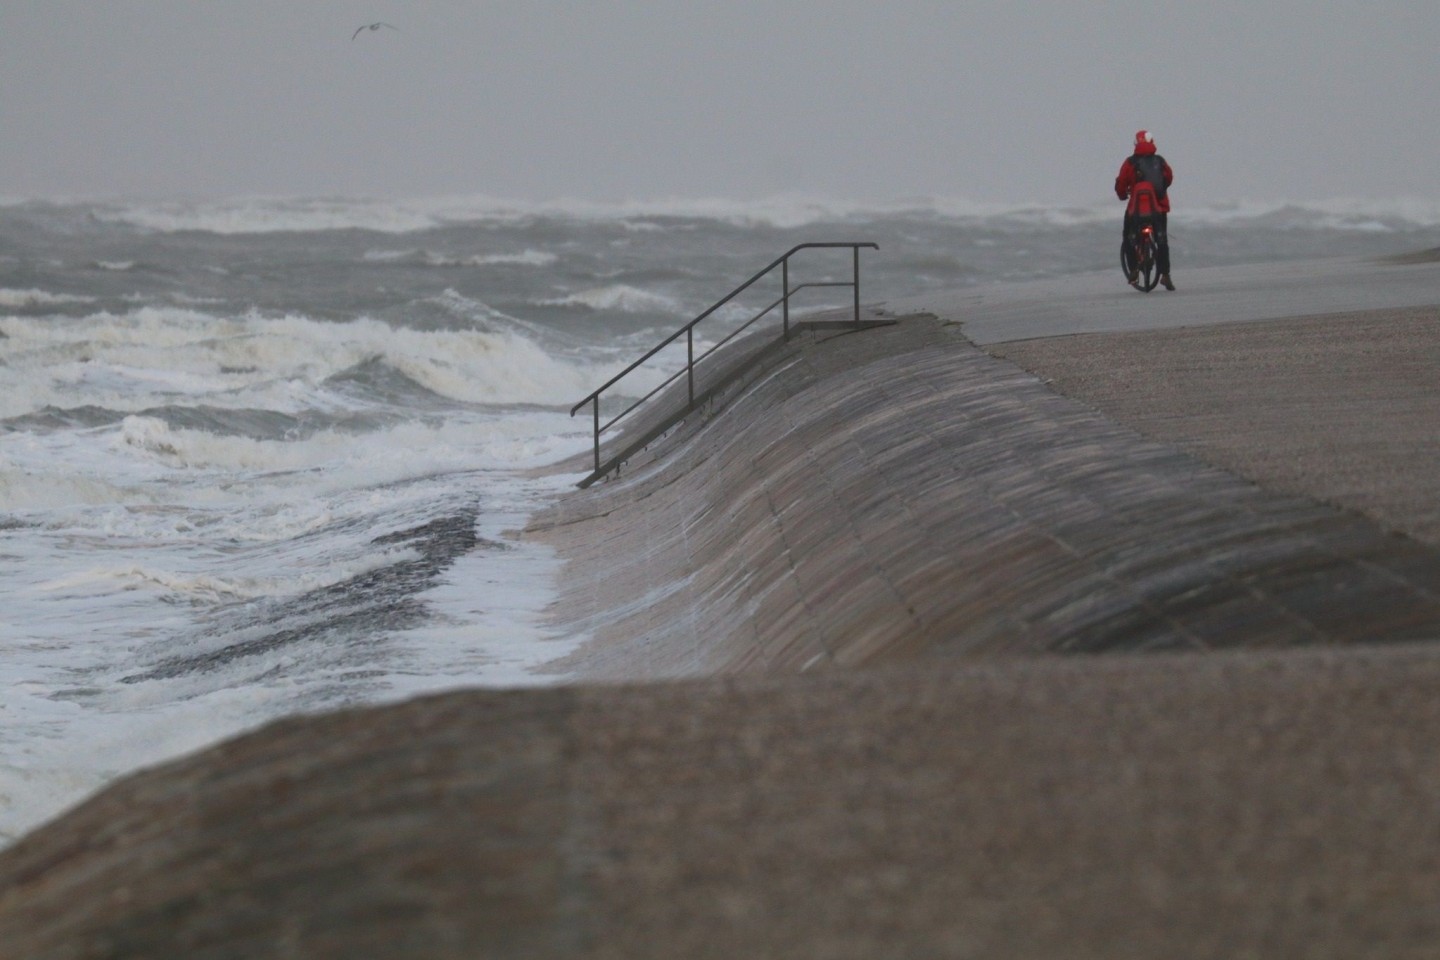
(38, 298)
(269, 215)
(430, 258)
(619, 298)
(149, 356)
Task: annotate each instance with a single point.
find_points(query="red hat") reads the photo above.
(1143, 136)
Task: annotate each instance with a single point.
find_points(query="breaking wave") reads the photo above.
(269, 215)
(429, 258)
(154, 355)
(19, 299)
(619, 298)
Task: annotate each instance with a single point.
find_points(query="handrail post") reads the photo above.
(855, 279)
(690, 361)
(785, 292)
(597, 433)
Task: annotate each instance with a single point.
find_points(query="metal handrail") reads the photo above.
(783, 261)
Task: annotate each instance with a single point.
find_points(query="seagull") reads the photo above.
(371, 26)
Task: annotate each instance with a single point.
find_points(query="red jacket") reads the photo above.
(1125, 182)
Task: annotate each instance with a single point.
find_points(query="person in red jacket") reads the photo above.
(1144, 181)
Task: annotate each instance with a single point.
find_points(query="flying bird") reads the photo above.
(371, 26)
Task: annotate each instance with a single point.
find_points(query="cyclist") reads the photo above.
(1144, 180)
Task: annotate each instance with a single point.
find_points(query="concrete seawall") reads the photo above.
(900, 494)
(862, 575)
(1176, 806)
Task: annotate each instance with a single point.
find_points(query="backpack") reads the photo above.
(1150, 169)
(1143, 201)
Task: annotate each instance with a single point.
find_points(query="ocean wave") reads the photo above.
(268, 215)
(327, 462)
(19, 299)
(200, 450)
(272, 215)
(429, 258)
(155, 355)
(196, 587)
(1346, 216)
(27, 489)
(617, 298)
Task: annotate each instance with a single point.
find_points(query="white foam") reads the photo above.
(429, 258)
(23, 490)
(38, 298)
(153, 355)
(618, 298)
(785, 211)
(404, 451)
(72, 623)
(272, 215)
(390, 256)
(490, 604)
(276, 214)
(205, 587)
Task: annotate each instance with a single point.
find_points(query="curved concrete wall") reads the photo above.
(898, 493)
(1176, 807)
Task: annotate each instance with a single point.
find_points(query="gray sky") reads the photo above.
(1007, 102)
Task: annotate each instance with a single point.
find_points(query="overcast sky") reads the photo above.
(1007, 102)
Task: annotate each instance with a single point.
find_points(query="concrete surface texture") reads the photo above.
(882, 540)
(901, 494)
(1344, 408)
(1177, 806)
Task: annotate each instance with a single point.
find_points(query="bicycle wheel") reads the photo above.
(1145, 261)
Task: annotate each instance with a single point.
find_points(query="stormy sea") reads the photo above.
(263, 457)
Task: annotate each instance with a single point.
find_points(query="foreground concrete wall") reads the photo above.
(1217, 806)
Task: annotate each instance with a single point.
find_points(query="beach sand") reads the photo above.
(945, 660)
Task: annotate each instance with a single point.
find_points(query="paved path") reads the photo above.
(1342, 408)
(1101, 302)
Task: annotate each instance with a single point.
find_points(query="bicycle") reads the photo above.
(1137, 258)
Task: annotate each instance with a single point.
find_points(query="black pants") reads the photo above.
(1162, 238)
